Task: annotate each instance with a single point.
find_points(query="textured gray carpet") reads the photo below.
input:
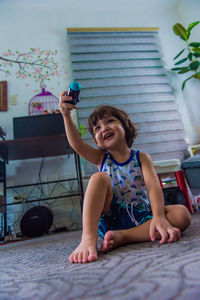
(39, 269)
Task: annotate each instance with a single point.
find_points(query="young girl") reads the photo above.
(123, 201)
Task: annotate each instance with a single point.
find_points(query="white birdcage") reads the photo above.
(43, 103)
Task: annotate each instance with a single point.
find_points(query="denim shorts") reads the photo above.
(123, 216)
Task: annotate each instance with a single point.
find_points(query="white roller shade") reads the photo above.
(124, 68)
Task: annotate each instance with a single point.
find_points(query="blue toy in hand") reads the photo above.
(74, 90)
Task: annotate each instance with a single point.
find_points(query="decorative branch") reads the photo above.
(38, 64)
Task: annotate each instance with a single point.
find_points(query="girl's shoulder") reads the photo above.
(145, 159)
(145, 155)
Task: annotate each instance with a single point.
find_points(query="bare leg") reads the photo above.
(97, 199)
(177, 215)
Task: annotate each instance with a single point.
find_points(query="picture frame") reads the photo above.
(194, 149)
(3, 96)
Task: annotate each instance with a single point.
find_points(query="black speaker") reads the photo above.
(36, 221)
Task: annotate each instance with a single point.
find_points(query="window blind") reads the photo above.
(124, 68)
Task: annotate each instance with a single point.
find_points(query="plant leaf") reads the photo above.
(190, 56)
(184, 71)
(180, 31)
(196, 50)
(194, 65)
(184, 82)
(179, 68)
(181, 61)
(183, 85)
(194, 44)
(197, 75)
(179, 54)
(191, 26)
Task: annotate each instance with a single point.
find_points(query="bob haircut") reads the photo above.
(106, 110)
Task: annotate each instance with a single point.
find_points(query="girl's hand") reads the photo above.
(66, 108)
(161, 229)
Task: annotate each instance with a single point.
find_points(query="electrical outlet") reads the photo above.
(13, 99)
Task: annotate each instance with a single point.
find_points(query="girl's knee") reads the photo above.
(183, 211)
(100, 178)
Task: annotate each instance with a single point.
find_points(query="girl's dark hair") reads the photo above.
(106, 110)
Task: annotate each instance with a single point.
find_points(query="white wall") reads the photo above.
(42, 24)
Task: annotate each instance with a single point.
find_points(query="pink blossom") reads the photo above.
(48, 65)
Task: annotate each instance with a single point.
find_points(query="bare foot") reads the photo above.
(85, 252)
(112, 239)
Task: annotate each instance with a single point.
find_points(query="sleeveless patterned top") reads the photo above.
(127, 180)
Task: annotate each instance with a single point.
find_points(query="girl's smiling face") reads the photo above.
(109, 133)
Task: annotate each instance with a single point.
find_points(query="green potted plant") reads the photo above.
(192, 50)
